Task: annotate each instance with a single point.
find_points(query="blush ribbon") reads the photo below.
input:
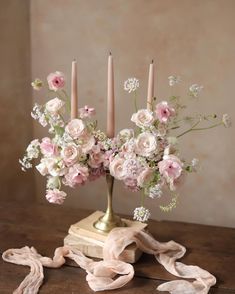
(101, 275)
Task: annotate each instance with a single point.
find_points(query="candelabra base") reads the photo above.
(90, 241)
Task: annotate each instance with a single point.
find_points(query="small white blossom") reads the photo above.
(42, 120)
(226, 119)
(25, 163)
(195, 90)
(131, 85)
(141, 214)
(173, 80)
(155, 191)
(33, 149)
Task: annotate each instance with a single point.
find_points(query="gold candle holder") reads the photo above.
(109, 220)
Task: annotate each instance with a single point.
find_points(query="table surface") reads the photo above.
(45, 226)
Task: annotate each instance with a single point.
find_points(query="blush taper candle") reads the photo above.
(110, 99)
(150, 93)
(74, 91)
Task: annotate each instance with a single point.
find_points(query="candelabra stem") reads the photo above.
(109, 220)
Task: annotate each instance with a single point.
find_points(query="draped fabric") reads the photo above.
(113, 273)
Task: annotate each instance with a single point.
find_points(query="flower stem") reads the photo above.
(135, 101)
(142, 198)
(207, 128)
(199, 129)
(68, 103)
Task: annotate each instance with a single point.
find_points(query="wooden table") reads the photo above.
(44, 227)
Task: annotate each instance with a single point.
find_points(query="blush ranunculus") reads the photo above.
(143, 118)
(170, 167)
(164, 112)
(56, 80)
(53, 106)
(75, 128)
(77, 175)
(48, 148)
(146, 144)
(56, 196)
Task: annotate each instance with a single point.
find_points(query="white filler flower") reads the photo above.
(141, 214)
(131, 85)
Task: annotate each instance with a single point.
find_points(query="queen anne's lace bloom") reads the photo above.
(131, 85)
(141, 214)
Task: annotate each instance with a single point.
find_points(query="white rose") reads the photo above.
(116, 168)
(54, 105)
(143, 118)
(145, 144)
(145, 177)
(125, 135)
(75, 128)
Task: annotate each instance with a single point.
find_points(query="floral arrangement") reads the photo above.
(145, 158)
(148, 158)
(73, 155)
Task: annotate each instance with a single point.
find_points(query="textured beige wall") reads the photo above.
(194, 39)
(15, 99)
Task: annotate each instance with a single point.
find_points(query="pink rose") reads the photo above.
(86, 111)
(170, 167)
(55, 196)
(77, 175)
(56, 80)
(70, 154)
(146, 144)
(145, 177)
(164, 111)
(87, 142)
(116, 168)
(75, 128)
(48, 148)
(53, 106)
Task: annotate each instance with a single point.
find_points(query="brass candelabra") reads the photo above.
(109, 220)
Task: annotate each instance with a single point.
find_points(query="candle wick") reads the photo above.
(110, 53)
(152, 60)
(74, 60)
